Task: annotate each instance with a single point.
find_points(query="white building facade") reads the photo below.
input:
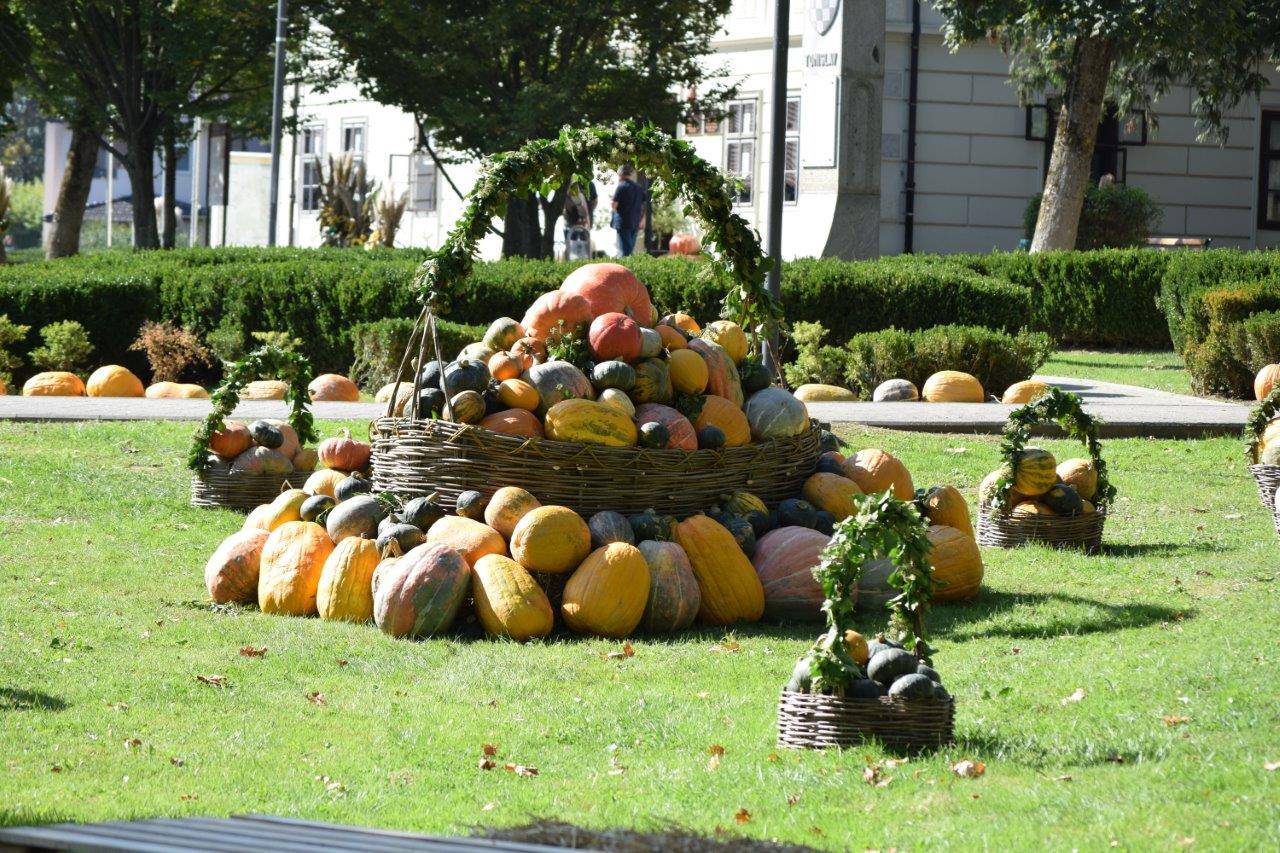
(979, 155)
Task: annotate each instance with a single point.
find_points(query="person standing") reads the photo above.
(628, 210)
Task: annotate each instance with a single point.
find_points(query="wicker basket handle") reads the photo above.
(423, 328)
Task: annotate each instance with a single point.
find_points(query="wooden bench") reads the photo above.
(239, 833)
(1179, 242)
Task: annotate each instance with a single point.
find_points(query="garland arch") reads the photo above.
(542, 165)
(265, 361)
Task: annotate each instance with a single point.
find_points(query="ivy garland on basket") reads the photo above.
(1064, 409)
(677, 170)
(883, 527)
(1261, 416)
(268, 360)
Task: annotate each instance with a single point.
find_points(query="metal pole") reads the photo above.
(195, 184)
(111, 191)
(777, 158)
(277, 112)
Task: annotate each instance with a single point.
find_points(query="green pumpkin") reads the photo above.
(467, 407)
(754, 377)
(613, 374)
(653, 382)
(653, 434)
(794, 512)
(650, 525)
(742, 531)
(470, 504)
(1062, 499)
(711, 437)
(466, 375)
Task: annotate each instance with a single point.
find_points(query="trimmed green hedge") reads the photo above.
(1189, 276)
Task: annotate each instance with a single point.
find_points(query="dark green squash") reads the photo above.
(1062, 499)
(653, 434)
(829, 465)
(824, 522)
(653, 382)
(466, 375)
(471, 504)
(352, 485)
(266, 435)
(754, 376)
(650, 525)
(406, 536)
(613, 374)
(710, 437)
(608, 527)
(313, 506)
(422, 512)
(742, 532)
(759, 522)
(888, 665)
(431, 402)
(912, 686)
(430, 374)
(794, 512)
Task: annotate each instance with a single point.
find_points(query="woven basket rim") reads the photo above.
(985, 510)
(931, 703)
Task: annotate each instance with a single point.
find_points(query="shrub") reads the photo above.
(1113, 217)
(10, 334)
(170, 351)
(1240, 338)
(379, 345)
(815, 361)
(66, 347)
(1189, 275)
(996, 358)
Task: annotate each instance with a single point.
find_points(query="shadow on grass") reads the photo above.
(1030, 753)
(1044, 615)
(1159, 549)
(672, 838)
(15, 699)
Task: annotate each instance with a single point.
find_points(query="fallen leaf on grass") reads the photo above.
(873, 777)
(1063, 778)
(176, 761)
(520, 769)
(626, 652)
(792, 799)
(57, 768)
(967, 769)
(342, 662)
(715, 751)
(212, 680)
(1232, 516)
(742, 816)
(333, 786)
(186, 798)
(727, 644)
(488, 807)
(1171, 721)
(487, 763)
(252, 651)
(1271, 766)
(132, 743)
(119, 706)
(315, 697)
(703, 695)
(1074, 697)
(489, 749)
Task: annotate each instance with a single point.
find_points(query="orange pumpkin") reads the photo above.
(614, 336)
(292, 559)
(264, 389)
(1265, 381)
(113, 380)
(514, 422)
(785, 559)
(333, 387)
(731, 420)
(344, 452)
(610, 287)
(956, 562)
(730, 587)
(53, 383)
(530, 351)
(323, 482)
(875, 471)
(507, 506)
(722, 374)
(683, 321)
(833, 493)
(470, 538)
(551, 539)
(684, 244)
(504, 365)
(671, 339)
(945, 505)
(550, 310)
(681, 433)
(231, 575)
(345, 593)
(230, 441)
(518, 394)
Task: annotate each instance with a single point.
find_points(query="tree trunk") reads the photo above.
(73, 193)
(169, 222)
(1069, 165)
(551, 210)
(521, 234)
(142, 183)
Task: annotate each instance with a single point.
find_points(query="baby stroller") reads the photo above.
(577, 243)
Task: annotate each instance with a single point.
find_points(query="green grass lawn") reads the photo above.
(1170, 634)
(1163, 371)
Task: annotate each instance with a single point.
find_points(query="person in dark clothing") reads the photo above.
(628, 210)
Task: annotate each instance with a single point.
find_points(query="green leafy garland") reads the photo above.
(883, 527)
(1054, 406)
(544, 164)
(1262, 414)
(265, 361)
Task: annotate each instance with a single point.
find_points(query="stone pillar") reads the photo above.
(841, 105)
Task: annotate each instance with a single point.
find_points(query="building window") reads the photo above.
(424, 184)
(353, 138)
(1269, 172)
(791, 156)
(700, 125)
(740, 148)
(312, 152)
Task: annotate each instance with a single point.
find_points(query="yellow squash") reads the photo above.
(606, 596)
(509, 602)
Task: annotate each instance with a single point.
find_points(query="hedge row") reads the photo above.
(318, 296)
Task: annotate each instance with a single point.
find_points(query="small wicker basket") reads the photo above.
(219, 490)
(1268, 479)
(815, 721)
(1056, 531)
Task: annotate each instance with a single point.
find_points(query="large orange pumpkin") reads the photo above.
(784, 560)
(344, 452)
(230, 441)
(292, 559)
(609, 287)
(334, 387)
(614, 336)
(945, 505)
(875, 471)
(509, 602)
(833, 493)
(470, 538)
(53, 383)
(507, 506)
(1265, 381)
(551, 540)
(549, 310)
(956, 562)
(723, 414)
(231, 575)
(514, 422)
(112, 380)
(684, 244)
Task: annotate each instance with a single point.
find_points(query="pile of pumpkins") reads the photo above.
(113, 380)
(1043, 487)
(784, 557)
(885, 668)
(332, 549)
(266, 446)
(660, 383)
(945, 386)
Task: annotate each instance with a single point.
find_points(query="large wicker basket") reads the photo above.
(417, 457)
(218, 490)
(809, 721)
(1268, 479)
(1012, 531)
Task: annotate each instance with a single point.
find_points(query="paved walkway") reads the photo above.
(1125, 410)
